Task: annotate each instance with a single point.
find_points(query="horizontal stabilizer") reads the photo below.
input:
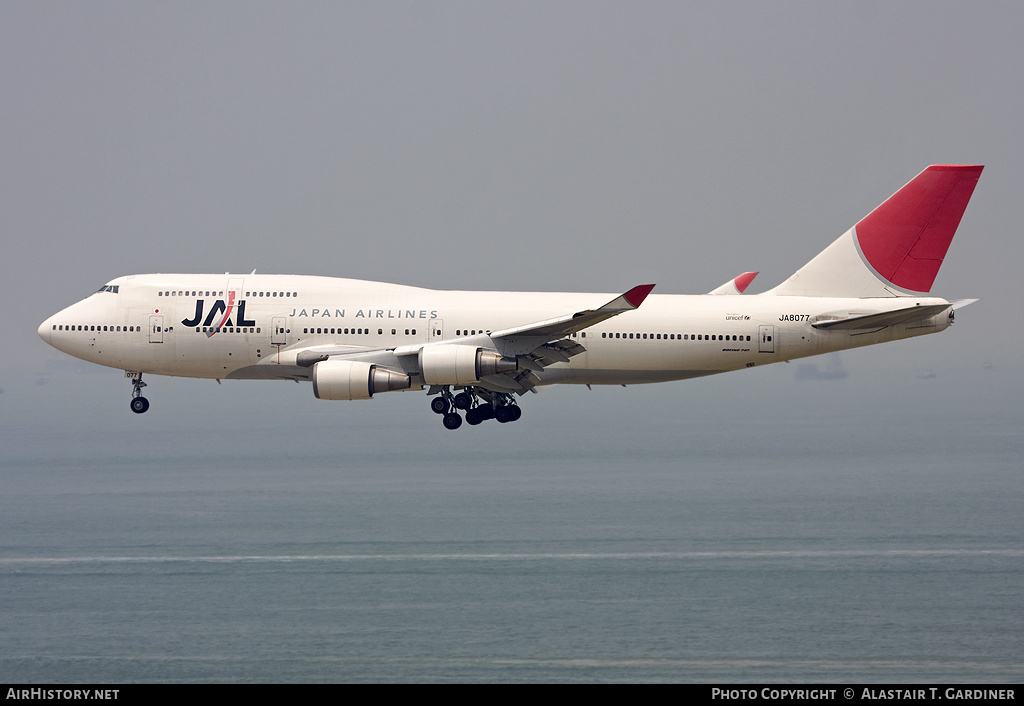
(886, 318)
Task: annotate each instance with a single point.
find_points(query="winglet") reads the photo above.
(744, 280)
(737, 285)
(634, 297)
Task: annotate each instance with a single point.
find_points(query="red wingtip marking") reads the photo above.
(906, 238)
(636, 295)
(956, 168)
(744, 280)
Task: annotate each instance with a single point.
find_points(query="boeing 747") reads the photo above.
(477, 352)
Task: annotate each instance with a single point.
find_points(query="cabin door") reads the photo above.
(436, 329)
(278, 331)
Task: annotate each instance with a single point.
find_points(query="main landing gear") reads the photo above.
(479, 404)
(139, 403)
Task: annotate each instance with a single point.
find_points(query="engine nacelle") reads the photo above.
(461, 365)
(354, 380)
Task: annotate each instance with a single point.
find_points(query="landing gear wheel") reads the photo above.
(504, 414)
(439, 405)
(474, 416)
(517, 412)
(452, 421)
(463, 400)
(139, 404)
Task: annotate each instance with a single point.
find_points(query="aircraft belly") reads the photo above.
(269, 372)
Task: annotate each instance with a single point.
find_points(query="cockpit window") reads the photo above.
(108, 288)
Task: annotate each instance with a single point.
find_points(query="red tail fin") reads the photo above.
(897, 249)
(906, 238)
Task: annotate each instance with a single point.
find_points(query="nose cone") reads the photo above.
(44, 330)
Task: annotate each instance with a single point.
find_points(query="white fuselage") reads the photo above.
(253, 326)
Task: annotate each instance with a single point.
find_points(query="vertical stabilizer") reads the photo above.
(897, 249)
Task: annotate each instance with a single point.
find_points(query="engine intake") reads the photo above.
(354, 380)
(461, 365)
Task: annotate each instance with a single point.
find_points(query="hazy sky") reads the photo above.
(585, 146)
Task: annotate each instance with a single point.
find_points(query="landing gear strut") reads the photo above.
(480, 405)
(139, 404)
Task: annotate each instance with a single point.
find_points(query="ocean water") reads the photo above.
(670, 545)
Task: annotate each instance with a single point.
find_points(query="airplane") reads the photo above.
(477, 352)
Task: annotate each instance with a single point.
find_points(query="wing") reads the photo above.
(535, 346)
(552, 329)
(515, 354)
(544, 343)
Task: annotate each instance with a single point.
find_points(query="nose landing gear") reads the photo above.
(139, 404)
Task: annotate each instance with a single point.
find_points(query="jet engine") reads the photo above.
(354, 380)
(461, 365)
